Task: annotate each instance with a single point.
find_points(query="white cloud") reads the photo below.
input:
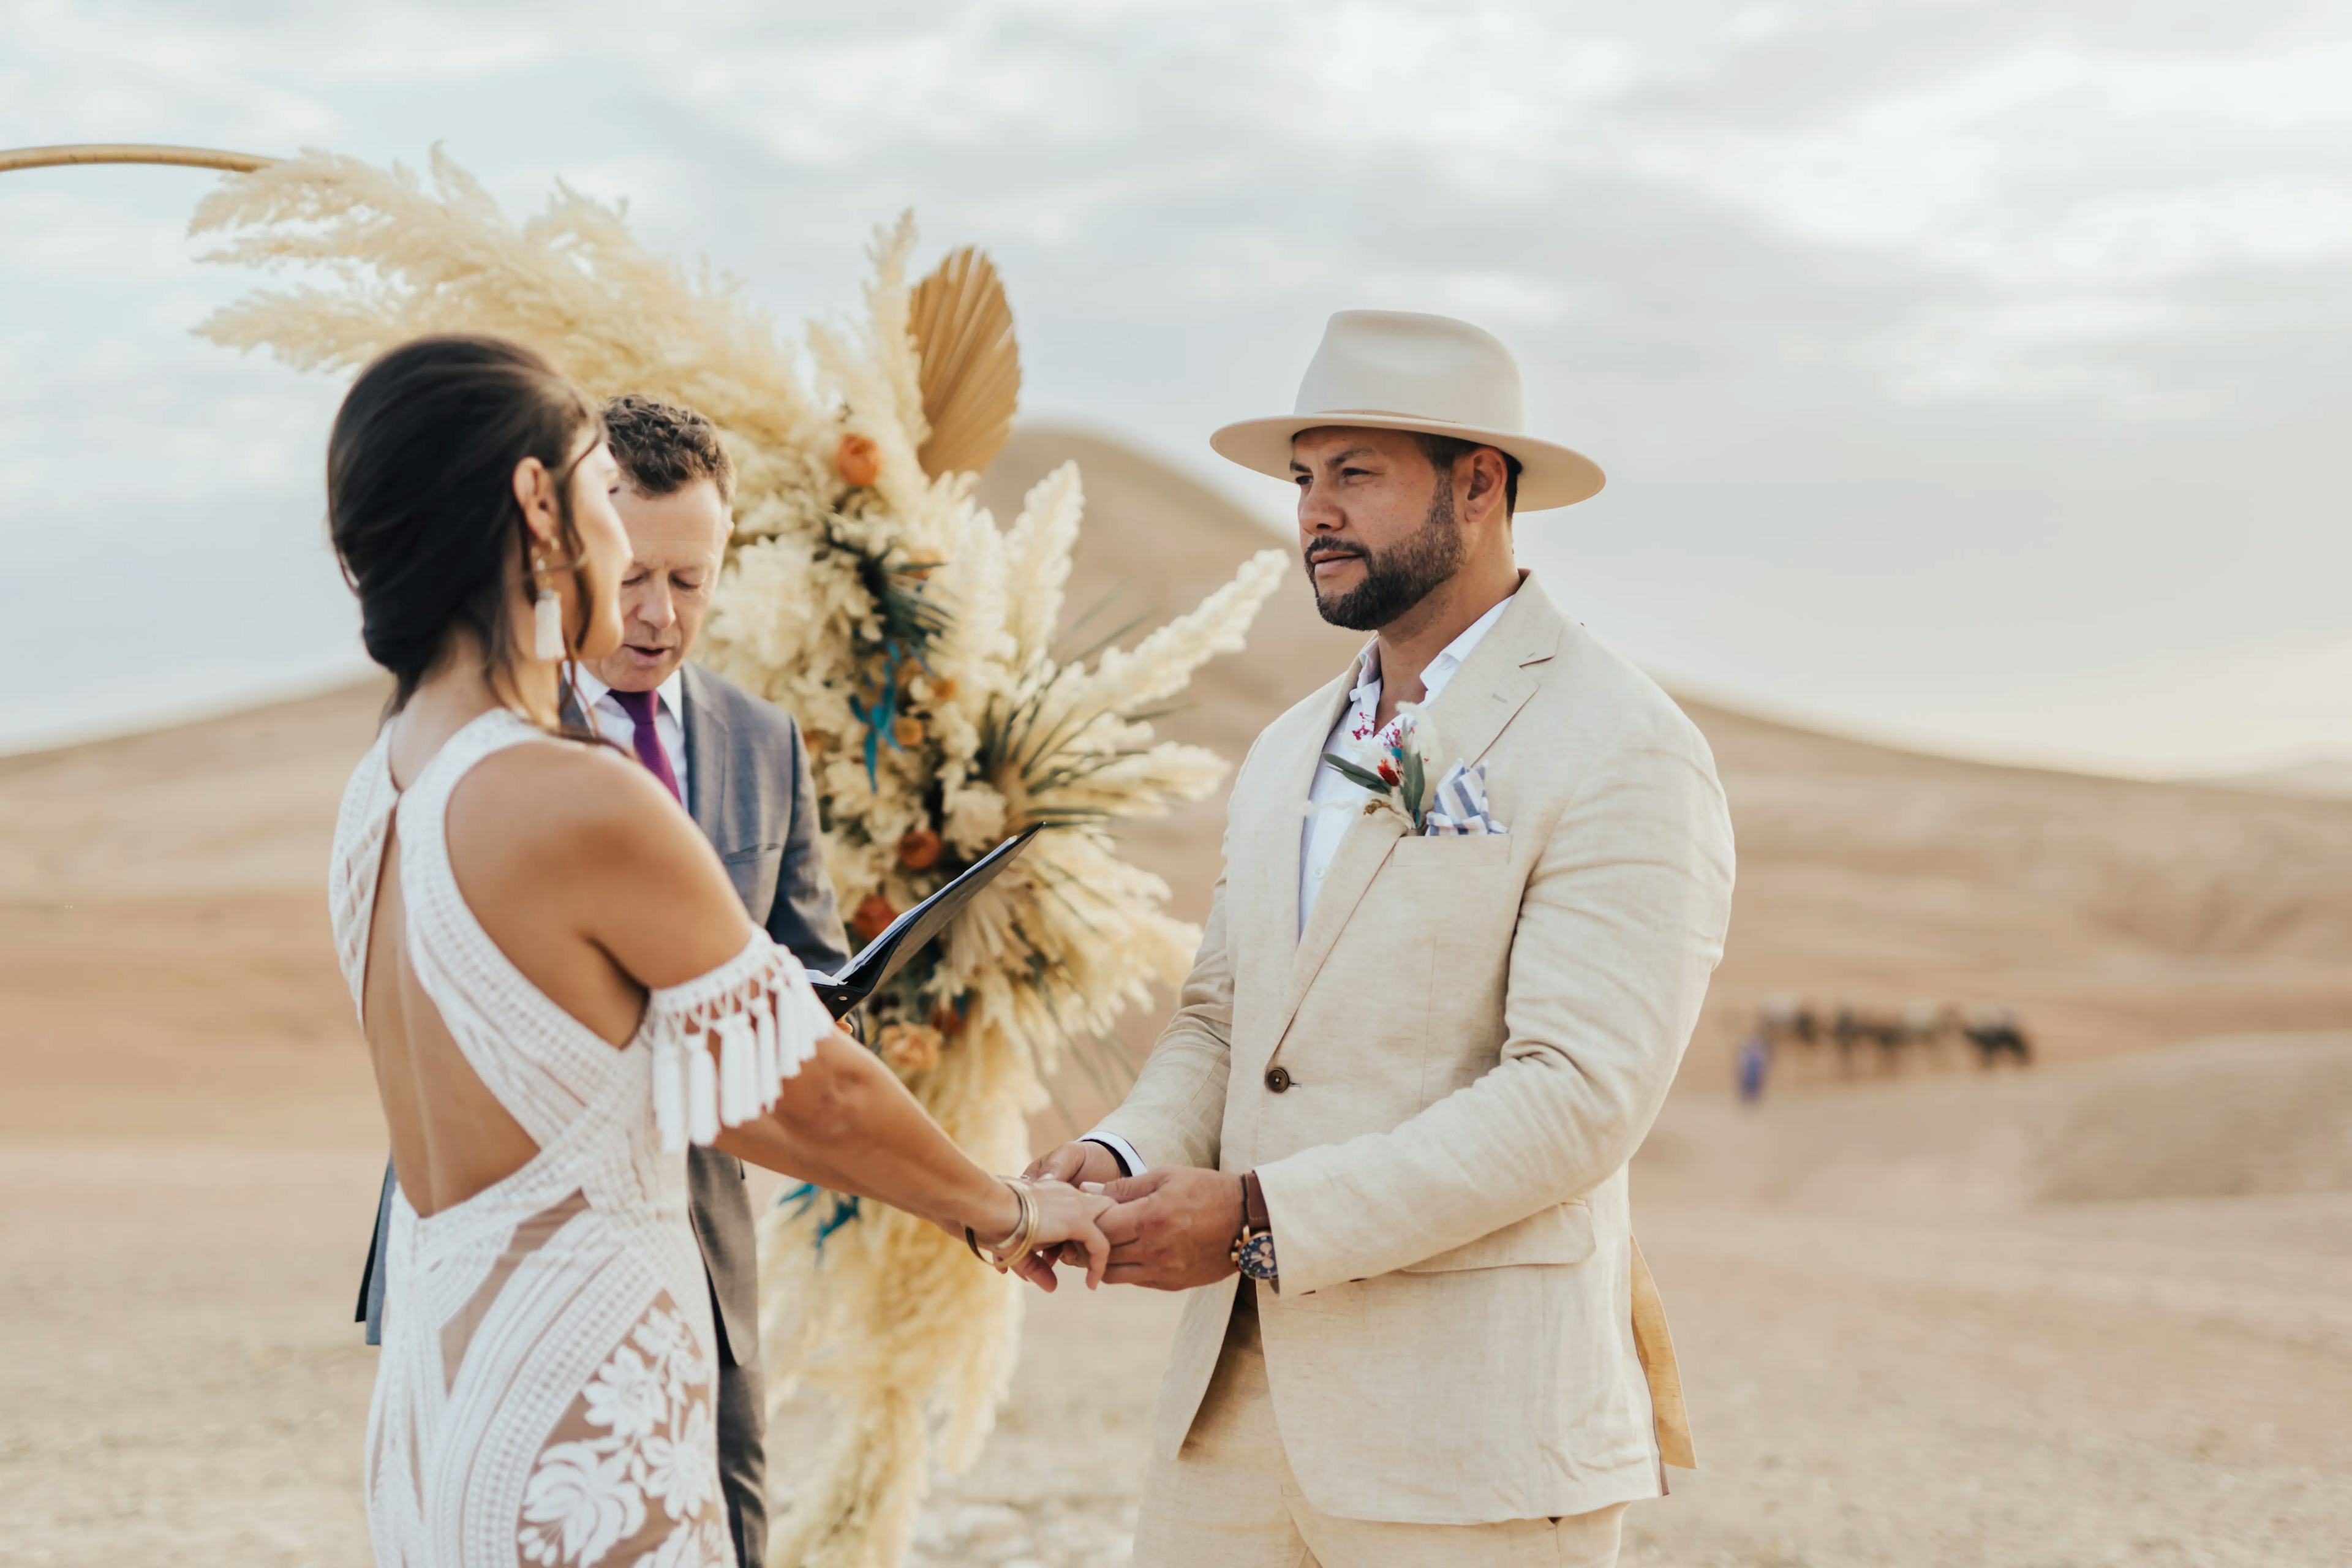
(2020, 349)
(2144, 239)
(1887, 323)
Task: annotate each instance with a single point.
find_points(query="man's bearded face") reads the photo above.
(1394, 577)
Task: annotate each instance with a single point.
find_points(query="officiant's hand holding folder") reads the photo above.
(887, 954)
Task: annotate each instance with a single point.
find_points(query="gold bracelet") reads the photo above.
(1004, 1255)
(1025, 1237)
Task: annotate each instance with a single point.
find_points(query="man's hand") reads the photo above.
(1173, 1227)
(1078, 1164)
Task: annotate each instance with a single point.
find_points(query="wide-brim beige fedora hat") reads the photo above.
(1398, 370)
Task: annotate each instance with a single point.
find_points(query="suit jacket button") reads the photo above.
(1278, 1079)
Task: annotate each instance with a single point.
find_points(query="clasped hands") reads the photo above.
(1169, 1230)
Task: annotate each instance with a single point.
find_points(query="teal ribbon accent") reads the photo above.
(878, 719)
(802, 1198)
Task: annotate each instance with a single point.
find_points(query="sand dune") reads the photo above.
(2094, 1313)
(2245, 1116)
(2327, 777)
(2114, 914)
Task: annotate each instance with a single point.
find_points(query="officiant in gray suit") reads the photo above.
(738, 766)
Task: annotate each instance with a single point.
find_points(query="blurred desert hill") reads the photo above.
(2113, 913)
(2330, 777)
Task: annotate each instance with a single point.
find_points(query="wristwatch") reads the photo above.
(1253, 1251)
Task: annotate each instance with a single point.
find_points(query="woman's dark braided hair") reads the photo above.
(420, 494)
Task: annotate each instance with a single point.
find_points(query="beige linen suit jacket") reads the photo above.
(1473, 1035)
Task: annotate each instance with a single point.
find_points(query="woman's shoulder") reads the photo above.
(559, 799)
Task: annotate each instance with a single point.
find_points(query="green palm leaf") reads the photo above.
(1355, 773)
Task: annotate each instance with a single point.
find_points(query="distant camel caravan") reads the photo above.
(1921, 1027)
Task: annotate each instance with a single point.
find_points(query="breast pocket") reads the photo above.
(753, 870)
(1453, 881)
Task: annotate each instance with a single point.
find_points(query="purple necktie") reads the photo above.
(639, 707)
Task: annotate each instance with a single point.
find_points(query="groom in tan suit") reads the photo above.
(1384, 1140)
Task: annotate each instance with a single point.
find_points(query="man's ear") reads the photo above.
(1489, 476)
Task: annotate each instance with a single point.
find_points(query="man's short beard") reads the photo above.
(1397, 579)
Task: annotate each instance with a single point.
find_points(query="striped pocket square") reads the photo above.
(1460, 806)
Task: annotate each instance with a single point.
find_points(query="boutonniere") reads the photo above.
(1394, 767)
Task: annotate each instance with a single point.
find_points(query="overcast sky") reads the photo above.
(1971, 374)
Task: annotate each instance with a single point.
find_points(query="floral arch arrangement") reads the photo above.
(912, 635)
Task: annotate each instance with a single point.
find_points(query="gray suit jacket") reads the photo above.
(746, 777)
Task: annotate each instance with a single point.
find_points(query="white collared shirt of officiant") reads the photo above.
(670, 721)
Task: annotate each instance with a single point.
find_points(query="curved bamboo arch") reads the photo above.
(67, 155)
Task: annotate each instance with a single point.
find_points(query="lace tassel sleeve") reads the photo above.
(723, 1043)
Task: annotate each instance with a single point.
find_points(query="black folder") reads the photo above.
(887, 954)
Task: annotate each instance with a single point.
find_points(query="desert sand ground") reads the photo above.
(2099, 1312)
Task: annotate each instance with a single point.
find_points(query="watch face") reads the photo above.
(1256, 1256)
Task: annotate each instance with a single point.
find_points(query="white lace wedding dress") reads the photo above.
(546, 1393)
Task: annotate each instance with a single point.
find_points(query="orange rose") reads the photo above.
(873, 917)
(907, 730)
(910, 1047)
(947, 1021)
(859, 461)
(919, 850)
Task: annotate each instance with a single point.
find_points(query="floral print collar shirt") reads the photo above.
(1319, 839)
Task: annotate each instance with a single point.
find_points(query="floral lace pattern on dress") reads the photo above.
(653, 1461)
(546, 1394)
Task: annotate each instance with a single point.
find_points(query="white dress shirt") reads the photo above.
(1331, 795)
(670, 721)
(1332, 799)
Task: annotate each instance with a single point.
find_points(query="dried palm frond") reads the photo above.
(962, 328)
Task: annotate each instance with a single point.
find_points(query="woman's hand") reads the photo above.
(1067, 1214)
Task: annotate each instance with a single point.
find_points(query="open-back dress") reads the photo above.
(546, 1387)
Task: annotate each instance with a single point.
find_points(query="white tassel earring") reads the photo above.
(547, 622)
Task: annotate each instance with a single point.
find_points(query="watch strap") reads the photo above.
(1253, 1251)
(1254, 1214)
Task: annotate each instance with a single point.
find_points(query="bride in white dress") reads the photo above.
(560, 989)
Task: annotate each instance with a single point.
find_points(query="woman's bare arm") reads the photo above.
(661, 906)
(845, 1123)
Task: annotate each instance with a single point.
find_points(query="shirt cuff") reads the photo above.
(1131, 1163)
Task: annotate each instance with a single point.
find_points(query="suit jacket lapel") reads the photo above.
(1362, 851)
(1262, 871)
(1269, 846)
(1475, 709)
(1485, 694)
(708, 747)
